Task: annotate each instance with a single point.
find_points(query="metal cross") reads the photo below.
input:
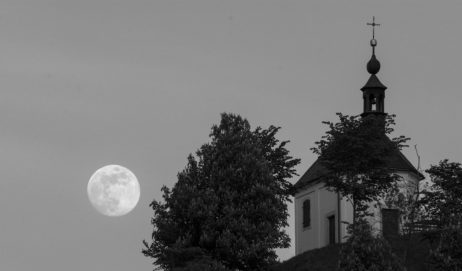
(373, 24)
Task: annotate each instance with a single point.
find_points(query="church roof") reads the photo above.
(396, 162)
(373, 82)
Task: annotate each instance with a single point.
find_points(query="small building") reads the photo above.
(319, 213)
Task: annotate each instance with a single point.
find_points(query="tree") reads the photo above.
(442, 204)
(443, 200)
(364, 252)
(448, 253)
(355, 152)
(229, 206)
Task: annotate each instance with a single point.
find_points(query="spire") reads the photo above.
(373, 40)
(374, 90)
(373, 66)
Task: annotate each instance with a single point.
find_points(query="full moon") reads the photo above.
(113, 190)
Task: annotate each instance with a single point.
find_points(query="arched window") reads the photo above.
(306, 213)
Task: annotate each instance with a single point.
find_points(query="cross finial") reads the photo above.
(373, 24)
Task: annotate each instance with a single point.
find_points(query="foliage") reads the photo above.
(364, 252)
(355, 152)
(326, 258)
(228, 208)
(448, 254)
(443, 201)
(321, 259)
(202, 264)
(442, 204)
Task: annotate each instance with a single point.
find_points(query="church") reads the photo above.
(319, 213)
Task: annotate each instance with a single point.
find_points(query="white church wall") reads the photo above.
(346, 212)
(306, 238)
(323, 204)
(328, 207)
(347, 216)
(376, 219)
(407, 187)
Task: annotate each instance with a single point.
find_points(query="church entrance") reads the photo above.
(331, 225)
(390, 223)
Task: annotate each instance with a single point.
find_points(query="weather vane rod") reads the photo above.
(373, 41)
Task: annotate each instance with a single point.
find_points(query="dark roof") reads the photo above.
(373, 82)
(312, 175)
(397, 162)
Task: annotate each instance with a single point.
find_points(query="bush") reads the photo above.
(448, 254)
(365, 252)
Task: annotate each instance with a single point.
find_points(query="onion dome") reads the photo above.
(373, 66)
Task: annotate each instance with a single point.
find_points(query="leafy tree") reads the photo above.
(443, 200)
(355, 152)
(448, 253)
(364, 252)
(228, 209)
(442, 204)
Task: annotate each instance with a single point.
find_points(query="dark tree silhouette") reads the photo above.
(228, 209)
(363, 251)
(355, 152)
(442, 205)
(442, 202)
(448, 254)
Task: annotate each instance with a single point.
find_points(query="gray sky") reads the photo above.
(139, 83)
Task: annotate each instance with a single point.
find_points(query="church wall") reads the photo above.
(323, 204)
(329, 205)
(306, 238)
(346, 211)
(410, 181)
(407, 186)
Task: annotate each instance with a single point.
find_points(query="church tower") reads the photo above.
(319, 212)
(373, 90)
